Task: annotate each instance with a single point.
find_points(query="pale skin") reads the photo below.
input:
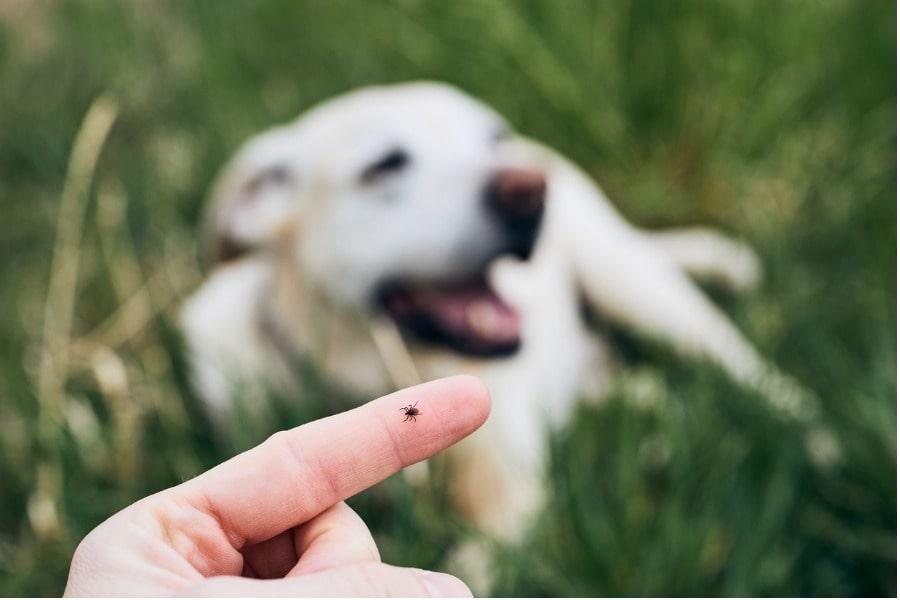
(272, 521)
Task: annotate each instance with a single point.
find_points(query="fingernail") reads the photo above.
(440, 585)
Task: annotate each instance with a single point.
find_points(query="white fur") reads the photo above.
(322, 240)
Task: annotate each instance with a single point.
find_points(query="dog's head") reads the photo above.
(391, 199)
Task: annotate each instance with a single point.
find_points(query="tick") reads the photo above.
(411, 412)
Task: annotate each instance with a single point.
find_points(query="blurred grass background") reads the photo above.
(773, 120)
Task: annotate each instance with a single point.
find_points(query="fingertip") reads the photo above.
(470, 396)
(478, 395)
(448, 410)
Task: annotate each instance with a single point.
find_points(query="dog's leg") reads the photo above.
(229, 362)
(708, 255)
(629, 278)
(499, 492)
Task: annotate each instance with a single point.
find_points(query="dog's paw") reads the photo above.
(417, 475)
(472, 561)
(741, 271)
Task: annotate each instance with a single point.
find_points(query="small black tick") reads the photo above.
(411, 412)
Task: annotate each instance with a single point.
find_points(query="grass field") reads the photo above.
(773, 120)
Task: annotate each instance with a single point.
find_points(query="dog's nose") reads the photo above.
(517, 195)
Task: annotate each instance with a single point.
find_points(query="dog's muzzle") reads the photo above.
(469, 316)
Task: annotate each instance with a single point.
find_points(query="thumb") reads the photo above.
(370, 579)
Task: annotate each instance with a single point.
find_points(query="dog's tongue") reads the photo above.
(472, 316)
(476, 312)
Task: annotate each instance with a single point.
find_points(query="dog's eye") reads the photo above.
(393, 161)
(277, 175)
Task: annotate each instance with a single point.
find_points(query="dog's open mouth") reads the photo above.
(470, 318)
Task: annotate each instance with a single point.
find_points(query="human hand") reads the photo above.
(272, 521)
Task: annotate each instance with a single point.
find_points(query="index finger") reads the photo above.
(298, 473)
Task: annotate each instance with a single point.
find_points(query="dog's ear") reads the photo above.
(253, 200)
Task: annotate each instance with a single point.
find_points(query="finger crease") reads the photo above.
(398, 451)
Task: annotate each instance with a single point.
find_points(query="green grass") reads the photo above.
(773, 120)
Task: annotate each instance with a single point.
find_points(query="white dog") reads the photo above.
(404, 233)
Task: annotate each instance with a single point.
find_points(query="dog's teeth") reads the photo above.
(483, 318)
